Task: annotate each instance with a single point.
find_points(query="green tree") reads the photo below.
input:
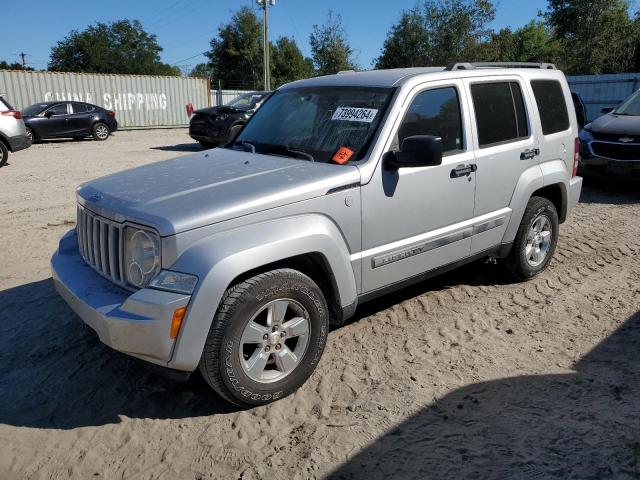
(330, 48)
(236, 56)
(595, 36)
(288, 63)
(437, 33)
(407, 44)
(4, 65)
(533, 42)
(117, 47)
(201, 70)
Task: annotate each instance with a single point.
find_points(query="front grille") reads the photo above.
(613, 137)
(99, 242)
(617, 151)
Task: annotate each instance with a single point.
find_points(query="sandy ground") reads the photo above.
(464, 376)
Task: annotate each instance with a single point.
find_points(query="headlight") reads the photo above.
(141, 256)
(174, 282)
(585, 134)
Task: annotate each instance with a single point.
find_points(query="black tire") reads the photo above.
(233, 133)
(518, 264)
(207, 145)
(4, 154)
(31, 135)
(220, 364)
(100, 132)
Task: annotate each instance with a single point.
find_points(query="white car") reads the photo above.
(13, 134)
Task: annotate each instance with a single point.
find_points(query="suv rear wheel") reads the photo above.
(266, 338)
(535, 241)
(4, 154)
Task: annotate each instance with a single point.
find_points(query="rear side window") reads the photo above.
(551, 105)
(4, 105)
(500, 112)
(435, 112)
(82, 108)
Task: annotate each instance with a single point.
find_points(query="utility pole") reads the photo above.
(23, 55)
(265, 40)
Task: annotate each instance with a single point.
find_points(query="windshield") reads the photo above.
(321, 124)
(34, 109)
(631, 106)
(246, 100)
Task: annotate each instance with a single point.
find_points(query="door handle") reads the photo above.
(463, 170)
(529, 153)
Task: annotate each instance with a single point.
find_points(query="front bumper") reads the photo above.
(19, 142)
(136, 323)
(594, 163)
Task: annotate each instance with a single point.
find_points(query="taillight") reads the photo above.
(111, 113)
(576, 156)
(13, 113)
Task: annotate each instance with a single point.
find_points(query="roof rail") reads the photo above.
(471, 66)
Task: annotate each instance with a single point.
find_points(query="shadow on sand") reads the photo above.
(181, 147)
(584, 424)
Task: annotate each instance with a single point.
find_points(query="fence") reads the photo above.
(139, 101)
(599, 91)
(221, 97)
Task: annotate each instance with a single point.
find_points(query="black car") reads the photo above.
(611, 143)
(213, 126)
(68, 120)
(580, 108)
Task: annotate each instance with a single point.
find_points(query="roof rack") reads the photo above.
(471, 66)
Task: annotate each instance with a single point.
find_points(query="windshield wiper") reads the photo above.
(276, 148)
(246, 146)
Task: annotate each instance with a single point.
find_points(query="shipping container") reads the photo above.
(139, 101)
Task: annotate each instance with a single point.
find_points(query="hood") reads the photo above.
(209, 187)
(612, 124)
(221, 110)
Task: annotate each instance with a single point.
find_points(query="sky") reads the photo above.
(184, 27)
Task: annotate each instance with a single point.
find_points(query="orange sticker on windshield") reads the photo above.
(342, 155)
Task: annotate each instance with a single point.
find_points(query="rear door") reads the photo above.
(505, 147)
(81, 118)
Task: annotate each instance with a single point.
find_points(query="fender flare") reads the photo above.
(530, 181)
(221, 258)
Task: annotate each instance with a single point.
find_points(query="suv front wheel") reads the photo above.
(535, 241)
(266, 338)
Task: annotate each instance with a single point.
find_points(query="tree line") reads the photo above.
(580, 36)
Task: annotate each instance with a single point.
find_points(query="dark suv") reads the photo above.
(69, 120)
(213, 126)
(611, 143)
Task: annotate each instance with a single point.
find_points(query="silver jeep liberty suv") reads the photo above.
(236, 260)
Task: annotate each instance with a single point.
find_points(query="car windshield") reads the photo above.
(34, 109)
(631, 106)
(320, 124)
(245, 101)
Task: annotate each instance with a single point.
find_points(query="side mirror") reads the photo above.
(48, 114)
(607, 110)
(418, 151)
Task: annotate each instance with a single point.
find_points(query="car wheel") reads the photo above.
(30, 135)
(4, 154)
(535, 241)
(207, 144)
(100, 131)
(266, 338)
(233, 133)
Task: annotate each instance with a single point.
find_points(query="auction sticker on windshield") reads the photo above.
(354, 114)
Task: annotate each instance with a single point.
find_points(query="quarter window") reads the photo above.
(500, 113)
(551, 106)
(435, 112)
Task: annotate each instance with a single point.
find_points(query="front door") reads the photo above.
(418, 219)
(56, 122)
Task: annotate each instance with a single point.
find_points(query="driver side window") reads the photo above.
(60, 109)
(435, 112)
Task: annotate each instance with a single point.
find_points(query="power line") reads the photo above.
(188, 58)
